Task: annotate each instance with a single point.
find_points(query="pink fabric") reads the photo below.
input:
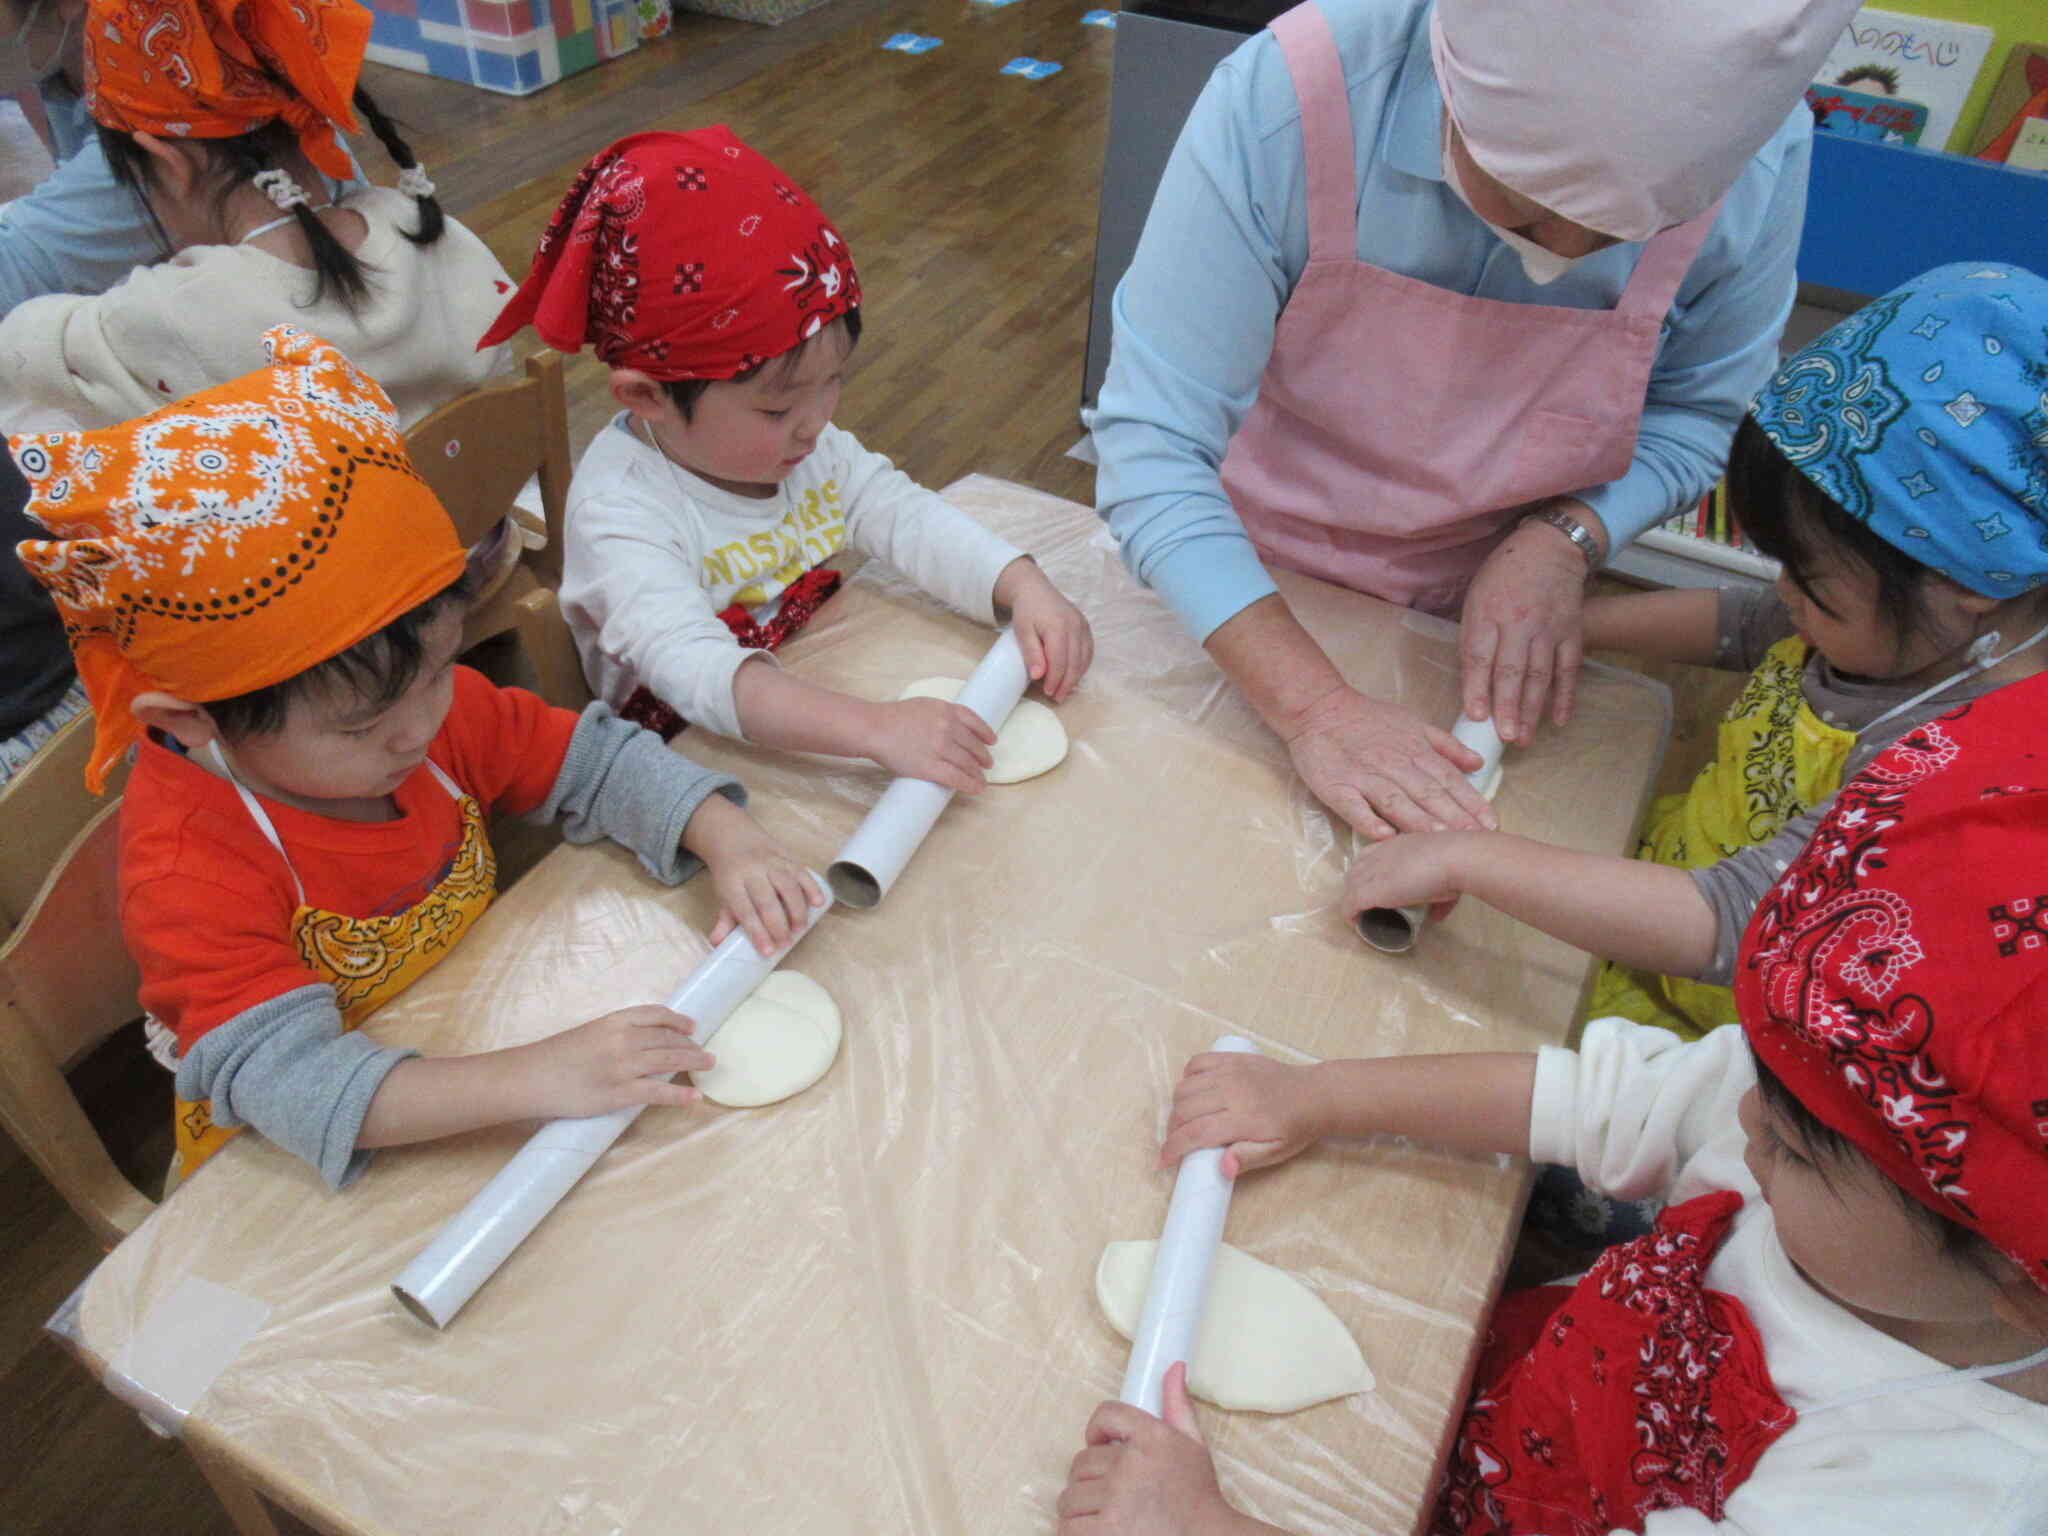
(1630, 118)
(1400, 428)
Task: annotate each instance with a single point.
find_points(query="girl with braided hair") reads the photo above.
(224, 117)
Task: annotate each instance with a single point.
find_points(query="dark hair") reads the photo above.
(1827, 1150)
(687, 392)
(378, 667)
(244, 156)
(1794, 521)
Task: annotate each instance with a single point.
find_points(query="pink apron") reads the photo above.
(1400, 428)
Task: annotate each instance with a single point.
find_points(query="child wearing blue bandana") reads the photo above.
(1897, 469)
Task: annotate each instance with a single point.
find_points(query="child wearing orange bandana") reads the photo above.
(222, 121)
(266, 602)
(1838, 1324)
(726, 305)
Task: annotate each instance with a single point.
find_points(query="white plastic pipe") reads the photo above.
(1179, 1288)
(883, 843)
(468, 1250)
(1392, 930)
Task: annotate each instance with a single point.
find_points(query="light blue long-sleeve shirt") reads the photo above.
(78, 230)
(1227, 239)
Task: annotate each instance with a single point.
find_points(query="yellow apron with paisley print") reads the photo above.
(1774, 760)
(367, 960)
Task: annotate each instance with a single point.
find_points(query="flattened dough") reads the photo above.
(1267, 1342)
(1031, 742)
(777, 1043)
(1487, 781)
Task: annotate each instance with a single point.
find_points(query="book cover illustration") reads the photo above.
(1911, 58)
(1862, 115)
(2021, 93)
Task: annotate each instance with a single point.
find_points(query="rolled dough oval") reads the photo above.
(777, 1043)
(1031, 742)
(1267, 1341)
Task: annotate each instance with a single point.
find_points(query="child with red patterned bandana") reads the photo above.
(725, 305)
(266, 601)
(1838, 1324)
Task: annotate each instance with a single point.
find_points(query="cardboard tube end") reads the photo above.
(854, 886)
(1387, 929)
(415, 1306)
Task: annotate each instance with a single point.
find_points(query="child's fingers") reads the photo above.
(757, 927)
(656, 1090)
(1058, 662)
(1250, 1156)
(978, 729)
(1112, 1422)
(721, 928)
(1179, 1411)
(1211, 1128)
(1033, 647)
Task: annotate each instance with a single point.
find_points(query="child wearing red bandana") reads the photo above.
(1838, 1325)
(726, 305)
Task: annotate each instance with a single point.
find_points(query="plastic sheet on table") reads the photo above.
(870, 1308)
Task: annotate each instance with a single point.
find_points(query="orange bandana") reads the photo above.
(212, 69)
(234, 539)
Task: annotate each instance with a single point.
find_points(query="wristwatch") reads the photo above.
(1571, 528)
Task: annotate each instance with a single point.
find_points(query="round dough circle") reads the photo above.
(777, 1043)
(1032, 741)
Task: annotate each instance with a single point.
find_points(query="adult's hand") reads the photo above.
(1379, 767)
(1383, 769)
(1521, 638)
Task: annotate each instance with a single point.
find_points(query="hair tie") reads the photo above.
(279, 187)
(413, 181)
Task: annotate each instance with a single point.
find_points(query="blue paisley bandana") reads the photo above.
(1926, 415)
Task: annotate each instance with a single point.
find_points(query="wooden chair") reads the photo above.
(42, 808)
(475, 453)
(66, 983)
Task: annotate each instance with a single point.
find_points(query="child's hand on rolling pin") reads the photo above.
(1054, 635)
(1141, 1476)
(1259, 1110)
(1409, 870)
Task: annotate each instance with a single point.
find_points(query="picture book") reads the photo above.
(1913, 58)
(2030, 148)
(2021, 93)
(1861, 115)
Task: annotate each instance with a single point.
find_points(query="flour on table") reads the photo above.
(1267, 1341)
(777, 1043)
(1031, 741)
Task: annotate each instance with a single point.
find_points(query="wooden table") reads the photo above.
(870, 1308)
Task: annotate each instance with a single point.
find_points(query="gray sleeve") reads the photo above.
(621, 781)
(1749, 621)
(288, 1069)
(1735, 887)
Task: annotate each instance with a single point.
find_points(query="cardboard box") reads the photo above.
(513, 46)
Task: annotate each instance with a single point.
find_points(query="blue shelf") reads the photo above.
(1877, 214)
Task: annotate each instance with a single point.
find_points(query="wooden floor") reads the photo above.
(968, 198)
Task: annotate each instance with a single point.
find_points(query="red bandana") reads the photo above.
(1896, 977)
(1639, 1390)
(686, 256)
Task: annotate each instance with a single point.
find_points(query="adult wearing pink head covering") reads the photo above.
(1479, 292)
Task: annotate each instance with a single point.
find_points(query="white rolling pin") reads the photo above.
(1179, 1288)
(481, 1236)
(1392, 930)
(883, 843)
